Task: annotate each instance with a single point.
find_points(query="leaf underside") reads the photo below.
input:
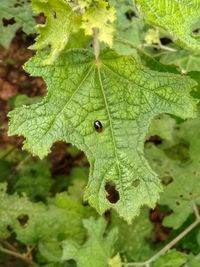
(124, 96)
(177, 17)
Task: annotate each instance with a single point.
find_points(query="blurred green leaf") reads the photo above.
(17, 14)
(36, 222)
(134, 241)
(182, 190)
(172, 258)
(34, 179)
(98, 248)
(186, 61)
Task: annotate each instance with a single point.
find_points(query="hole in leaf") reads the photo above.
(136, 182)
(9, 228)
(165, 41)
(17, 5)
(177, 203)
(166, 180)
(130, 14)
(23, 219)
(85, 203)
(196, 31)
(112, 193)
(7, 22)
(54, 14)
(155, 139)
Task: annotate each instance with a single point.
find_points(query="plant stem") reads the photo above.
(169, 245)
(7, 153)
(17, 255)
(196, 211)
(96, 45)
(163, 47)
(174, 241)
(8, 245)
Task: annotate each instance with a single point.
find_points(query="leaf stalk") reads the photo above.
(96, 45)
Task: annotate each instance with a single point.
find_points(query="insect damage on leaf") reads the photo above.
(122, 94)
(57, 28)
(180, 173)
(100, 16)
(14, 15)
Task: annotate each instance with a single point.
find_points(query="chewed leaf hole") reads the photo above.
(7, 22)
(23, 219)
(112, 193)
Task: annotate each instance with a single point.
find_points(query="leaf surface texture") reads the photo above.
(124, 96)
(175, 16)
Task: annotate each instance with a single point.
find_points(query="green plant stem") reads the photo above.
(8, 153)
(169, 245)
(160, 46)
(17, 255)
(96, 45)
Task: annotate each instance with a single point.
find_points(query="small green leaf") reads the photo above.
(101, 17)
(129, 29)
(184, 60)
(177, 17)
(172, 258)
(98, 248)
(124, 96)
(57, 28)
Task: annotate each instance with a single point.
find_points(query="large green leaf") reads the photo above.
(98, 248)
(21, 14)
(124, 96)
(177, 17)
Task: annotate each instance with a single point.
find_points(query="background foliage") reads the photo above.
(45, 216)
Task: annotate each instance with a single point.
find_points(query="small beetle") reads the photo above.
(98, 126)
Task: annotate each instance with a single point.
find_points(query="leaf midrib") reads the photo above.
(113, 138)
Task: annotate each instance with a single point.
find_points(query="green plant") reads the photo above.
(103, 100)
